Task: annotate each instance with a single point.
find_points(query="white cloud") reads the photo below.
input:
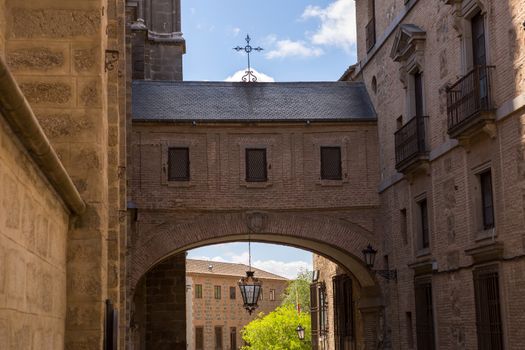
(286, 269)
(337, 26)
(261, 77)
(289, 48)
(236, 31)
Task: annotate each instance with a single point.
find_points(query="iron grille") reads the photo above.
(410, 141)
(424, 315)
(331, 163)
(488, 313)
(343, 311)
(256, 165)
(179, 164)
(469, 96)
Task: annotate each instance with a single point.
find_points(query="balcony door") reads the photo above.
(479, 57)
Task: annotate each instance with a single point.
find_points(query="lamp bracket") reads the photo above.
(387, 274)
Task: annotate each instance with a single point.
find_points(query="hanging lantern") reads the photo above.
(300, 332)
(251, 289)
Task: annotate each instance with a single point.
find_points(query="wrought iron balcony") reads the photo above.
(469, 102)
(370, 34)
(411, 144)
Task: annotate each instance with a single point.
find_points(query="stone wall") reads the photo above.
(57, 51)
(34, 226)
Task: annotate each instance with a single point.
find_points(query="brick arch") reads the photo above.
(336, 239)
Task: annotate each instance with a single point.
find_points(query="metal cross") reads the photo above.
(249, 77)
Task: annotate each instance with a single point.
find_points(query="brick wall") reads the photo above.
(449, 182)
(33, 237)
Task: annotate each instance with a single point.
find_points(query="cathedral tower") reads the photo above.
(156, 37)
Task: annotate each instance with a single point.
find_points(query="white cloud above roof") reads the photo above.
(261, 77)
(290, 48)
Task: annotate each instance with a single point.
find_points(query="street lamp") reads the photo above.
(300, 332)
(369, 255)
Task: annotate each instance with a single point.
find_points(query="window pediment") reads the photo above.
(409, 40)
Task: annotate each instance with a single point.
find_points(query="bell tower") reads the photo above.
(157, 44)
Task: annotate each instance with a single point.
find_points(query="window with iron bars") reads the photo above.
(331, 163)
(424, 314)
(488, 311)
(256, 165)
(178, 164)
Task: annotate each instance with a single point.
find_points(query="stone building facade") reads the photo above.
(217, 315)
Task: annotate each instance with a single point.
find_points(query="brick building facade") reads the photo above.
(447, 82)
(217, 316)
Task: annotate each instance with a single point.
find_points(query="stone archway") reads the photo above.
(336, 239)
(330, 236)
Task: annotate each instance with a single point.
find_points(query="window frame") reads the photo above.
(484, 205)
(185, 178)
(197, 328)
(198, 291)
(218, 335)
(272, 295)
(424, 285)
(247, 177)
(233, 293)
(423, 224)
(217, 292)
(322, 165)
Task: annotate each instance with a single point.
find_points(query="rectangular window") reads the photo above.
(261, 295)
(233, 338)
(424, 315)
(410, 330)
(232, 293)
(344, 313)
(218, 338)
(199, 338)
(256, 167)
(178, 164)
(331, 163)
(403, 226)
(488, 312)
(198, 291)
(418, 94)
(217, 292)
(479, 55)
(423, 224)
(487, 205)
(272, 294)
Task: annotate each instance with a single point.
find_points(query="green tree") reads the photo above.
(298, 290)
(277, 330)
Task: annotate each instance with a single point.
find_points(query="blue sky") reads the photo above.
(307, 40)
(281, 260)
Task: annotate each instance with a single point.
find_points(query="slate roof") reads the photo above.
(168, 101)
(226, 269)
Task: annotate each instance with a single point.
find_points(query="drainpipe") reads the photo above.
(20, 117)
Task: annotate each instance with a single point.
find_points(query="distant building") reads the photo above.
(215, 314)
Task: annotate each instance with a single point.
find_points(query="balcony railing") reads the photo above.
(371, 34)
(411, 143)
(468, 99)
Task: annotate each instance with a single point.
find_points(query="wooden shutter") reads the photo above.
(233, 338)
(488, 313)
(424, 314)
(218, 338)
